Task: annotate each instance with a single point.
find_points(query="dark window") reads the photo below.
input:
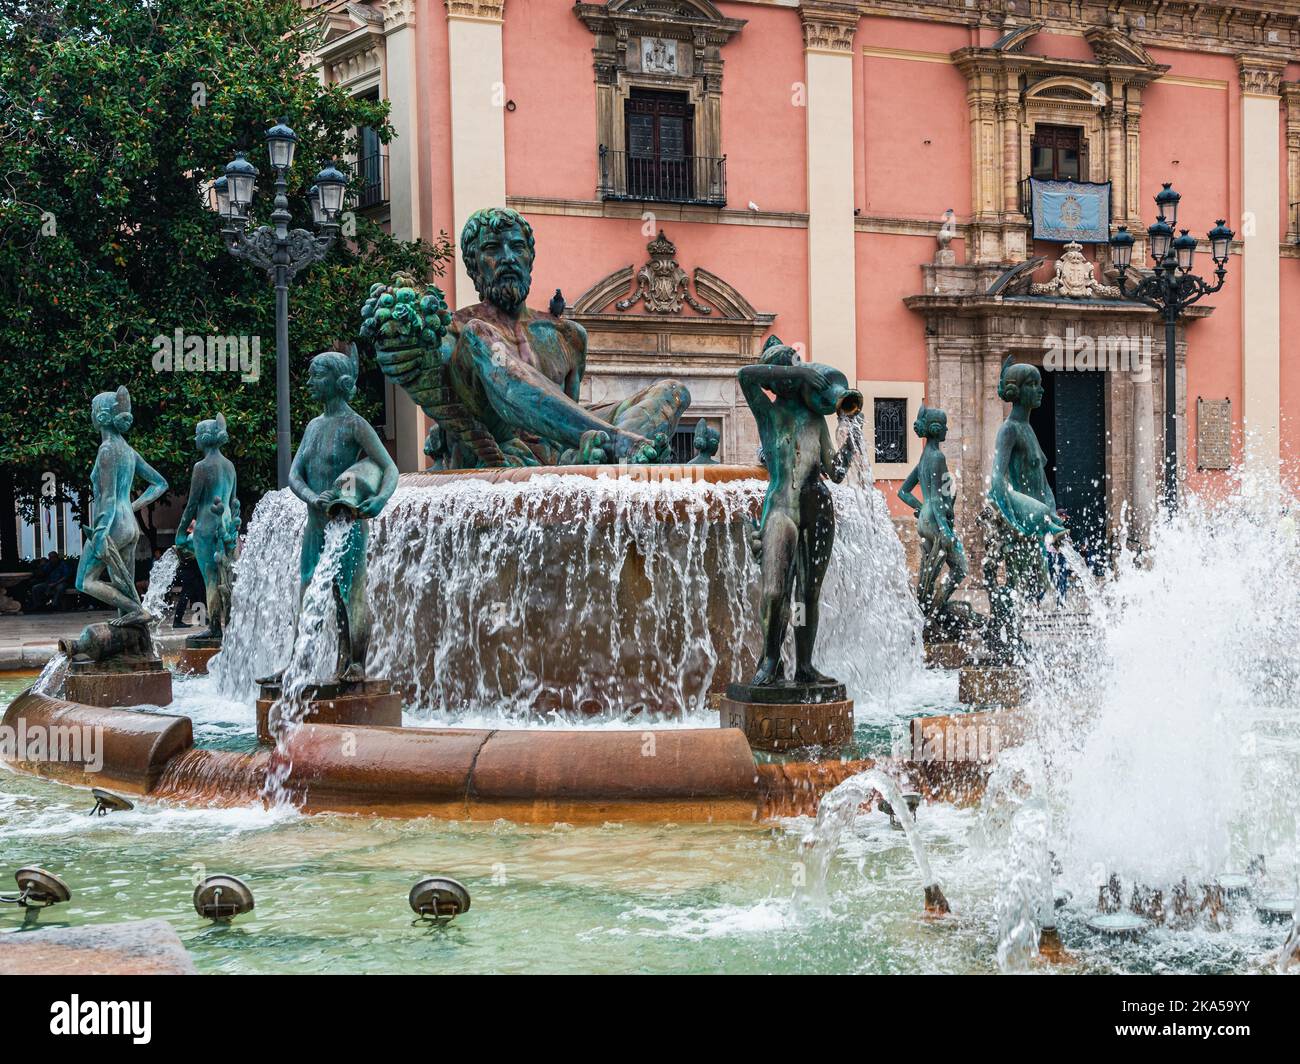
(891, 430)
(1058, 153)
(372, 165)
(660, 145)
(683, 445)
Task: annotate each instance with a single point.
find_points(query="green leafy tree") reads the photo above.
(114, 117)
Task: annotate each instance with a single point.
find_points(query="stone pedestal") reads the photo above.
(789, 716)
(196, 653)
(947, 655)
(142, 682)
(991, 685)
(369, 702)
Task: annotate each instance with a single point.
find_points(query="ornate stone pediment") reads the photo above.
(662, 287)
(625, 18)
(1111, 45)
(351, 44)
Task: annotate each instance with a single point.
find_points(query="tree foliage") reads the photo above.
(114, 116)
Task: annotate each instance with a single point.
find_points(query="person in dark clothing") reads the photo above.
(53, 577)
(192, 589)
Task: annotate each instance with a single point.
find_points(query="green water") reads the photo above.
(331, 892)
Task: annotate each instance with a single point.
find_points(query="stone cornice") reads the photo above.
(829, 26)
(1226, 27)
(691, 20)
(477, 10)
(1260, 75)
(398, 14)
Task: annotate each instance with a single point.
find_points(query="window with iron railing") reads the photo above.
(657, 163)
(373, 171)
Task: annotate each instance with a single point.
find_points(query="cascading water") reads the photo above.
(161, 578)
(264, 599)
(560, 593)
(314, 656)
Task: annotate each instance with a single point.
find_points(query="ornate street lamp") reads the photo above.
(277, 249)
(1170, 288)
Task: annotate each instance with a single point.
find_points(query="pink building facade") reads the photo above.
(800, 159)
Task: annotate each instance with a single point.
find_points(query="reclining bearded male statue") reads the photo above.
(501, 380)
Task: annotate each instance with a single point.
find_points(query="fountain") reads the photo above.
(542, 633)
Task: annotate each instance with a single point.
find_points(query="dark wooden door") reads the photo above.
(1071, 426)
(660, 145)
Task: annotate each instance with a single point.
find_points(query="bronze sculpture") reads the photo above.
(794, 535)
(213, 509)
(107, 567)
(935, 522)
(501, 380)
(1021, 520)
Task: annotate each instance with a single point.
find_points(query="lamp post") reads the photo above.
(1170, 288)
(277, 249)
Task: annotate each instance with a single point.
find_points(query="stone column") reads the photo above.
(478, 132)
(404, 194)
(1291, 94)
(828, 30)
(1261, 81)
(1145, 473)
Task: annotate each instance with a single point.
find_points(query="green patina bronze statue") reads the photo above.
(1020, 522)
(501, 380)
(342, 472)
(706, 442)
(213, 511)
(794, 535)
(935, 519)
(107, 568)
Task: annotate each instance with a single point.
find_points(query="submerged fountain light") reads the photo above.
(222, 898)
(913, 801)
(37, 889)
(1119, 924)
(439, 898)
(1275, 909)
(107, 802)
(1234, 885)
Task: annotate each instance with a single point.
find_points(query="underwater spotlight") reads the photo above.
(222, 898)
(1275, 909)
(37, 888)
(1235, 885)
(439, 898)
(1119, 924)
(107, 802)
(913, 801)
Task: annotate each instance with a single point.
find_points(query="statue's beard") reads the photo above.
(507, 292)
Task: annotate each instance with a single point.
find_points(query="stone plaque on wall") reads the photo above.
(1213, 433)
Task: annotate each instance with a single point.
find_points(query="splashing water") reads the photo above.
(1024, 900)
(1168, 730)
(566, 593)
(839, 809)
(161, 577)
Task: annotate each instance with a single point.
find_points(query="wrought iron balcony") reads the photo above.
(694, 179)
(373, 171)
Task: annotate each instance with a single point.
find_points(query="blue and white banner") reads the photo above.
(1070, 210)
